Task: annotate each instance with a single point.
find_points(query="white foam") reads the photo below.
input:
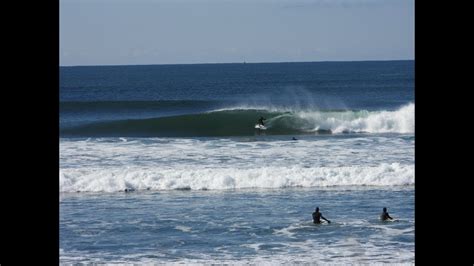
(288, 231)
(176, 153)
(111, 164)
(399, 121)
(185, 229)
(118, 179)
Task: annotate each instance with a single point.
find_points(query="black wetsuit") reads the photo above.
(260, 121)
(384, 216)
(317, 217)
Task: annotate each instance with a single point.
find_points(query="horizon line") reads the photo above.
(244, 62)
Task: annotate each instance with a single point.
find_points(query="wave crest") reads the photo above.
(240, 122)
(119, 179)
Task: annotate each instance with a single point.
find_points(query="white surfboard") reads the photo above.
(261, 127)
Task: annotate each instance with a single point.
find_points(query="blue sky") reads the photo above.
(133, 32)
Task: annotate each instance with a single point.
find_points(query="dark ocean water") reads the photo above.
(227, 99)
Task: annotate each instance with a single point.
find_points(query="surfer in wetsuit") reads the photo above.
(260, 121)
(317, 216)
(384, 216)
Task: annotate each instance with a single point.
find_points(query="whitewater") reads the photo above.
(261, 162)
(312, 120)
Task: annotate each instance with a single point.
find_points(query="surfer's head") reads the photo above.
(384, 209)
(317, 209)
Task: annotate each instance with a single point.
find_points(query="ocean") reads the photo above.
(163, 164)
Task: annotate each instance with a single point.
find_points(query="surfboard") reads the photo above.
(262, 127)
(321, 223)
(388, 220)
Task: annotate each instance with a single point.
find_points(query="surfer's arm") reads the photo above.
(388, 216)
(322, 217)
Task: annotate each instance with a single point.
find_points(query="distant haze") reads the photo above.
(133, 32)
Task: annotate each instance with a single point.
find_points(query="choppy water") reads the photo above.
(239, 226)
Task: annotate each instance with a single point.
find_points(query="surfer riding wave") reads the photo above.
(260, 125)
